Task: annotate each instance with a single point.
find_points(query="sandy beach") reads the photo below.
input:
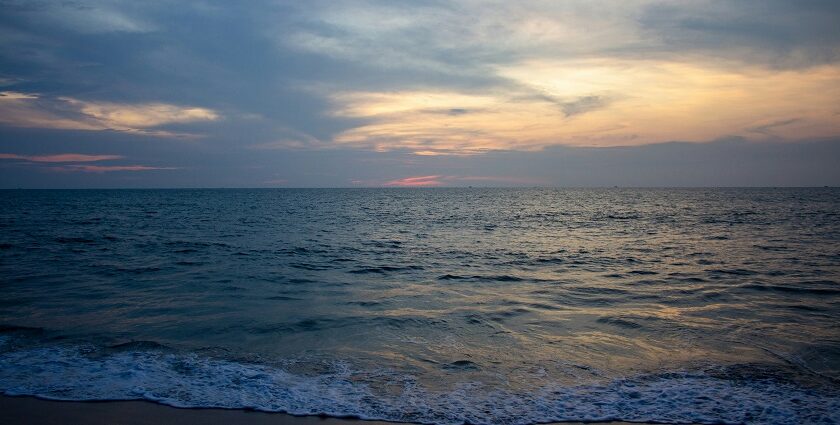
(35, 411)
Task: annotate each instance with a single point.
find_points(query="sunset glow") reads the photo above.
(600, 103)
(334, 93)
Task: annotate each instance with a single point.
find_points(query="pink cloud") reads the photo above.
(108, 168)
(71, 162)
(63, 157)
(417, 181)
(441, 180)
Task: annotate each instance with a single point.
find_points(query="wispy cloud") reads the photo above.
(107, 168)
(583, 105)
(86, 17)
(289, 138)
(767, 128)
(444, 180)
(416, 181)
(144, 115)
(33, 110)
(64, 157)
(75, 162)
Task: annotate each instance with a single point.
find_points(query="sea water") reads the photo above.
(440, 306)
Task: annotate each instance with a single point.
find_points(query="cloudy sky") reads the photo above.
(97, 93)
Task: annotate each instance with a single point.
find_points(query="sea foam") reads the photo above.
(191, 380)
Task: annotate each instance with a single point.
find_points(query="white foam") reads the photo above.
(189, 380)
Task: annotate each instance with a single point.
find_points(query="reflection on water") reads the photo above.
(410, 296)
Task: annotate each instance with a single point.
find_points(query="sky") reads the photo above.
(399, 93)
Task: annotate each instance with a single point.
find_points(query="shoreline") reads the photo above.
(30, 410)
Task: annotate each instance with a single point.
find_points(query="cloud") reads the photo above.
(443, 180)
(421, 82)
(458, 111)
(64, 157)
(86, 17)
(429, 153)
(13, 96)
(147, 115)
(71, 162)
(583, 105)
(66, 113)
(435, 37)
(416, 181)
(621, 74)
(290, 139)
(595, 103)
(767, 129)
(777, 34)
(107, 168)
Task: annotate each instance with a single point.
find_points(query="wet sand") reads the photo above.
(34, 411)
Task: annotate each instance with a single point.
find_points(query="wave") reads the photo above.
(823, 287)
(479, 278)
(384, 269)
(190, 380)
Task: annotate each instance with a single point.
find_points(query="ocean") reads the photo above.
(438, 306)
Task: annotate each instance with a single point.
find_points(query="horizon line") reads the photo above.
(415, 187)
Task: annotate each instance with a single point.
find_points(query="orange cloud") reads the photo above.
(598, 102)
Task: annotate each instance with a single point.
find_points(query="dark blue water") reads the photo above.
(430, 305)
